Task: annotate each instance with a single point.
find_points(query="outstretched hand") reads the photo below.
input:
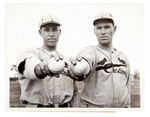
(74, 60)
(79, 66)
(57, 56)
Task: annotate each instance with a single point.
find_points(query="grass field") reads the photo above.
(135, 93)
(15, 94)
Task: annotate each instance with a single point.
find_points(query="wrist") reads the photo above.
(39, 74)
(76, 77)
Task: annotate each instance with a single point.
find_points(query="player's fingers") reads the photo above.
(42, 69)
(71, 72)
(73, 60)
(55, 55)
(79, 58)
(57, 75)
(64, 70)
(60, 56)
(47, 69)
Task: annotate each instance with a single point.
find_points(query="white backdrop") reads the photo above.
(77, 29)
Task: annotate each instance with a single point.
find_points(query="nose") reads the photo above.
(51, 33)
(103, 31)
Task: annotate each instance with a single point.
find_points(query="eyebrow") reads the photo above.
(102, 26)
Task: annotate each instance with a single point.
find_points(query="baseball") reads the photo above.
(80, 67)
(56, 66)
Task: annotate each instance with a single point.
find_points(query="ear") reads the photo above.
(59, 31)
(40, 32)
(115, 28)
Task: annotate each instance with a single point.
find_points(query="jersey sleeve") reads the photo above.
(26, 63)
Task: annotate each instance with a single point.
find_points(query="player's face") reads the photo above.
(50, 34)
(104, 31)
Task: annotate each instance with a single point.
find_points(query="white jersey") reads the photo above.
(50, 90)
(106, 84)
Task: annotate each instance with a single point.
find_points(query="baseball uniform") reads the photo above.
(48, 91)
(107, 83)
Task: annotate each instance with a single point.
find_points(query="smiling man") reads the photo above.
(40, 86)
(106, 74)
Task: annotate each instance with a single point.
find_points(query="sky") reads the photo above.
(77, 30)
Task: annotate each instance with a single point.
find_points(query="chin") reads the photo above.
(52, 45)
(105, 44)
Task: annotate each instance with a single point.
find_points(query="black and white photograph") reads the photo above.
(74, 56)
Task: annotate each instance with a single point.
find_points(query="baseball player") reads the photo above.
(104, 69)
(42, 70)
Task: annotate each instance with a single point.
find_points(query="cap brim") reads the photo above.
(102, 19)
(50, 23)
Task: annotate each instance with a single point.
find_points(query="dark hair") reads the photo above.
(103, 20)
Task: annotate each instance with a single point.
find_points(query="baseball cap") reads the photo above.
(49, 19)
(104, 15)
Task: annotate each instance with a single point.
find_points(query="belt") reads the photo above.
(52, 105)
(94, 106)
